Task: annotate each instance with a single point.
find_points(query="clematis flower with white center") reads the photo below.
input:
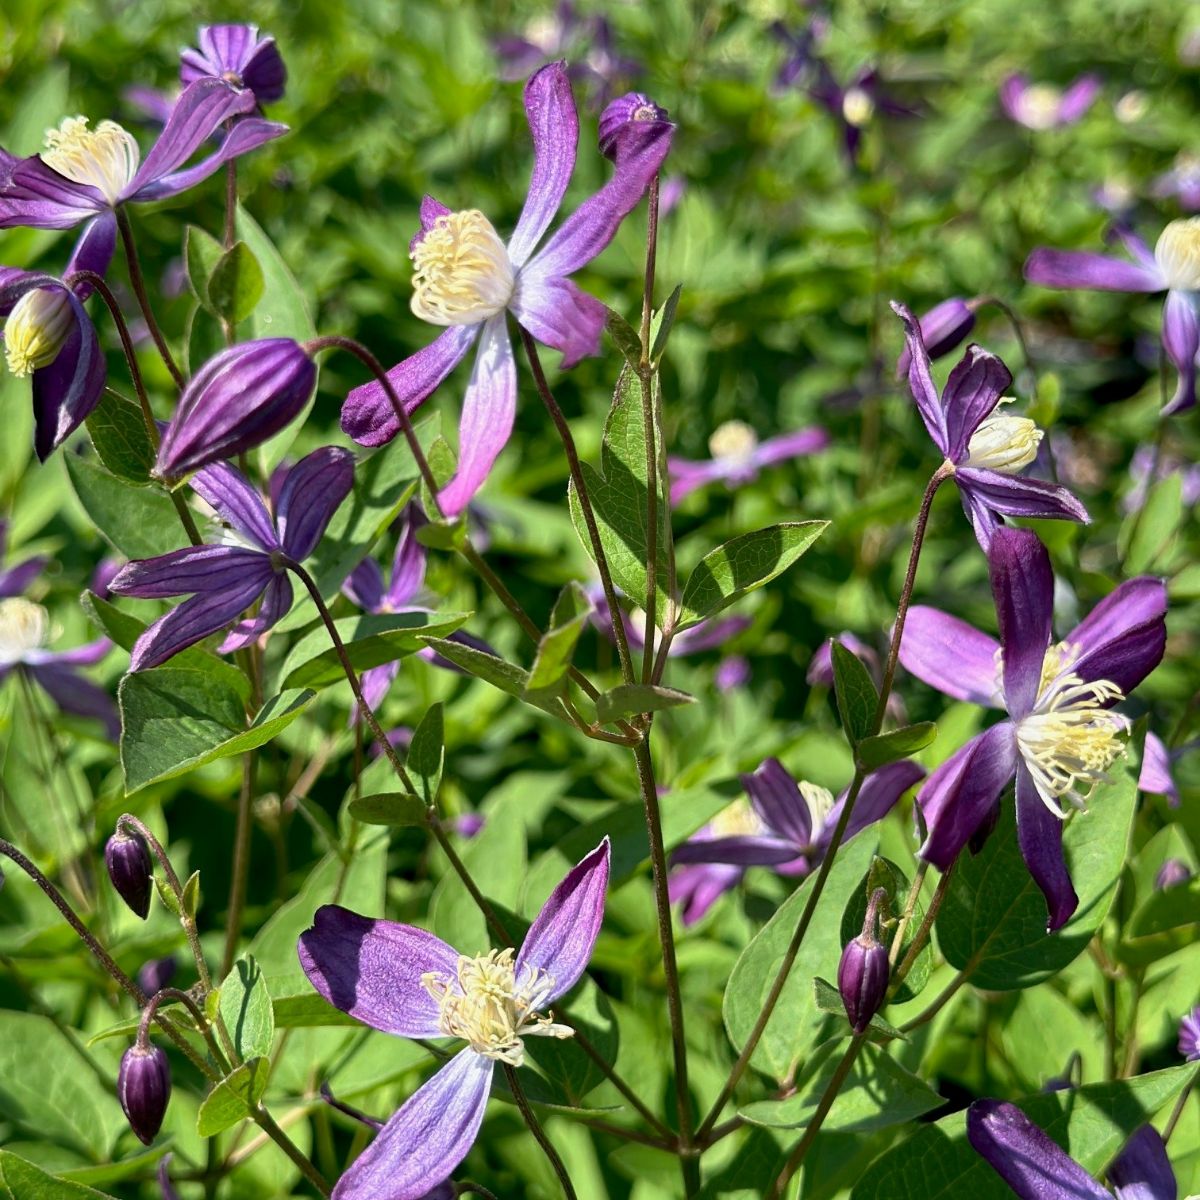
(1040, 106)
(1061, 736)
(467, 279)
(403, 980)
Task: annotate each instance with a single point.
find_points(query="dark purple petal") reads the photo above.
(1156, 770)
(130, 870)
(191, 569)
(745, 850)
(554, 126)
(75, 694)
(37, 196)
(367, 415)
(950, 655)
(427, 1138)
(66, 390)
(776, 799)
(790, 445)
(920, 379)
(943, 327)
(561, 316)
(1035, 1167)
(1181, 339)
(431, 208)
(239, 50)
(236, 503)
(975, 385)
(1023, 587)
(144, 1088)
(93, 250)
(1123, 638)
(1039, 834)
(863, 972)
(364, 585)
(1142, 1170)
(697, 888)
(16, 579)
(408, 563)
(962, 793)
(311, 494)
(560, 940)
(1082, 269)
(1078, 98)
(878, 796)
(372, 969)
(1017, 497)
(276, 601)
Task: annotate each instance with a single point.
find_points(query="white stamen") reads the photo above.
(24, 626)
(858, 106)
(1039, 106)
(1004, 444)
(36, 329)
(463, 274)
(738, 820)
(106, 157)
(820, 803)
(734, 441)
(1178, 254)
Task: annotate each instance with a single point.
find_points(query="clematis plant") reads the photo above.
(1040, 106)
(403, 980)
(466, 279)
(237, 55)
(1060, 735)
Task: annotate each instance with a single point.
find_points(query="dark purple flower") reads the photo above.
(236, 55)
(943, 329)
(732, 673)
(15, 579)
(853, 104)
(404, 980)
(144, 1088)
(127, 858)
(1060, 735)
(801, 63)
(1189, 1035)
(629, 110)
(1171, 874)
(236, 401)
(984, 447)
(863, 969)
(250, 562)
(467, 279)
(157, 974)
(1042, 106)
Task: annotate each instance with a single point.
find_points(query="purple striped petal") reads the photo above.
(1023, 587)
(975, 386)
(561, 316)
(408, 563)
(1018, 497)
(743, 851)
(1039, 834)
(192, 569)
(367, 414)
(372, 969)
(75, 694)
(697, 888)
(920, 379)
(276, 601)
(1123, 638)
(489, 408)
(554, 127)
(950, 655)
(312, 492)
(236, 503)
(93, 250)
(1078, 98)
(790, 445)
(878, 796)
(962, 793)
(37, 196)
(943, 327)
(1156, 770)
(1142, 1170)
(1181, 339)
(560, 940)
(364, 585)
(1082, 269)
(777, 800)
(427, 1138)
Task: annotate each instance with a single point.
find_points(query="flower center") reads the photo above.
(734, 440)
(738, 820)
(486, 1006)
(106, 157)
(1040, 105)
(820, 803)
(857, 106)
(462, 273)
(36, 329)
(1004, 444)
(1178, 254)
(24, 626)
(1070, 738)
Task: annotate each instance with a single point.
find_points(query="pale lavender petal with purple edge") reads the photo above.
(1181, 339)
(1156, 770)
(742, 850)
(560, 315)
(276, 601)
(312, 492)
(1039, 835)
(426, 1138)
(1083, 269)
(972, 391)
(191, 569)
(372, 969)
(560, 940)
(1124, 637)
(920, 379)
(950, 655)
(1023, 588)
(776, 799)
(1142, 1170)
(878, 796)
(236, 503)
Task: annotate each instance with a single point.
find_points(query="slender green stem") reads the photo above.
(1180, 1105)
(922, 934)
(241, 864)
(225, 1058)
(910, 905)
(646, 379)
(263, 1119)
(139, 290)
(948, 993)
(539, 1134)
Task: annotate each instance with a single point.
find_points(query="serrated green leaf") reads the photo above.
(427, 754)
(140, 522)
(233, 1098)
(236, 284)
(557, 645)
(884, 748)
(389, 808)
(246, 1010)
(857, 698)
(118, 432)
(829, 1000)
(628, 699)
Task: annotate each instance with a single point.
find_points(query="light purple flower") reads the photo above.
(1172, 873)
(985, 448)
(707, 635)
(1182, 181)
(1189, 1035)
(15, 579)
(1156, 770)
(786, 825)
(1041, 106)
(1173, 267)
(1059, 735)
(943, 328)
(249, 563)
(467, 279)
(1144, 464)
(236, 55)
(403, 980)
(738, 456)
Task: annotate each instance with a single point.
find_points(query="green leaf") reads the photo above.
(557, 645)
(24, 1181)
(726, 574)
(233, 1098)
(887, 875)
(190, 904)
(992, 922)
(118, 431)
(236, 284)
(246, 1009)
(201, 253)
(1167, 921)
(829, 1000)
(309, 1011)
(857, 698)
(500, 674)
(875, 752)
(370, 641)
(1148, 533)
(389, 808)
(427, 754)
(625, 337)
(141, 522)
(1090, 1123)
(663, 320)
(630, 698)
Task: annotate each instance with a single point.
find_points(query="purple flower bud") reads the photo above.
(128, 860)
(1189, 1035)
(620, 115)
(236, 401)
(1172, 873)
(469, 824)
(733, 672)
(144, 1087)
(157, 974)
(943, 327)
(863, 970)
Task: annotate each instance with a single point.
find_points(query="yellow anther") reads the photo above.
(1004, 444)
(106, 157)
(36, 329)
(820, 803)
(858, 107)
(1178, 254)
(462, 272)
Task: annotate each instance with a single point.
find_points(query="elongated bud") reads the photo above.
(863, 971)
(144, 1087)
(623, 116)
(236, 401)
(943, 327)
(128, 860)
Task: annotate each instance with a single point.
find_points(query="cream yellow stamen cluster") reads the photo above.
(738, 820)
(734, 440)
(1177, 253)
(1040, 106)
(106, 157)
(486, 1007)
(24, 626)
(36, 329)
(1070, 738)
(1004, 444)
(462, 271)
(820, 803)
(858, 107)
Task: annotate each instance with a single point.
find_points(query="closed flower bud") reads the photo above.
(128, 860)
(1171, 874)
(943, 327)
(620, 115)
(157, 974)
(144, 1087)
(863, 970)
(236, 401)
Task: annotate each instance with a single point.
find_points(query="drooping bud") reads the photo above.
(144, 1087)
(157, 974)
(128, 860)
(621, 116)
(236, 401)
(943, 327)
(1171, 874)
(863, 970)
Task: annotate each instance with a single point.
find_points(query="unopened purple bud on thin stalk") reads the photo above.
(144, 1089)
(863, 971)
(127, 858)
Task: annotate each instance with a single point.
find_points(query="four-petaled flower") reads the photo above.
(467, 279)
(1041, 106)
(403, 980)
(1060, 735)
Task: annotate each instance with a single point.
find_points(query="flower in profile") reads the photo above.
(1060, 736)
(943, 328)
(1173, 267)
(1189, 1035)
(249, 563)
(237, 55)
(1156, 770)
(1182, 181)
(785, 825)
(738, 456)
(984, 447)
(15, 579)
(405, 981)
(1041, 106)
(467, 279)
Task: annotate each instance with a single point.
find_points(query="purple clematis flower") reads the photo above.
(786, 825)
(943, 328)
(800, 64)
(984, 447)
(1037, 1168)
(707, 635)
(854, 104)
(1060, 734)
(249, 563)
(1174, 268)
(467, 279)
(1041, 106)
(15, 579)
(1182, 181)
(236, 55)
(1189, 1035)
(738, 456)
(404, 980)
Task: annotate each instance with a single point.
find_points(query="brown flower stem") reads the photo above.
(539, 1134)
(263, 1119)
(139, 290)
